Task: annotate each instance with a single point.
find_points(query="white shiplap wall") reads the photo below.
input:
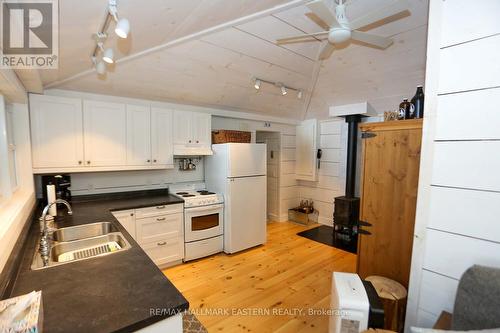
(331, 176)
(289, 189)
(459, 191)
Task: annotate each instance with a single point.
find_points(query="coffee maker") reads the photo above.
(62, 183)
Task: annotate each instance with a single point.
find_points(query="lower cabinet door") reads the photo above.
(165, 251)
(127, 220)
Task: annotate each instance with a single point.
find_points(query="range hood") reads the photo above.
(192, 151)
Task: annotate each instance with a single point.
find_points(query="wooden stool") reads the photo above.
(393, 297)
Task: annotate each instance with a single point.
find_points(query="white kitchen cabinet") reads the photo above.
(202, 129)
(159, 230)
(127, 220)
(306, 150)
(56, 131)
(162, 148)
(105, 133)
(192, 133)
(182, 128)
(138, 135)
(71, 135)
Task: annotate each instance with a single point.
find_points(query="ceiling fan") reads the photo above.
(341, 29)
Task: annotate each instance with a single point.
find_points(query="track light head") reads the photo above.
(283, 90)
(100, 67)
(257, 84)
(122, 28)
(299, 94)
(108, 56)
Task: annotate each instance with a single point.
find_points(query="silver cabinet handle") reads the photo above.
(162, 243)
(160, 207)
(161, 219)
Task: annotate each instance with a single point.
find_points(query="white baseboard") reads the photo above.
(282, 218)
(273, 217)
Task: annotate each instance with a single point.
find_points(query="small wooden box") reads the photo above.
(298, 216)
(226, 136)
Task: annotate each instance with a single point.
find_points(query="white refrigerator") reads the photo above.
(238, 171)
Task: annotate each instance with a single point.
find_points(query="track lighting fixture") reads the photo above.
(122, 25)
(257, 84)
(100, 66)
(283, 90)
(122, 29)
(108, 56)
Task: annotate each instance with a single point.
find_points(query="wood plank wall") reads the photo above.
(331, 179)
(459, 192)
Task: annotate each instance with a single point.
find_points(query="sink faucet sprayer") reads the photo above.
(44, 248)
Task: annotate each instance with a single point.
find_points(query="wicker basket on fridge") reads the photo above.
(226, 136)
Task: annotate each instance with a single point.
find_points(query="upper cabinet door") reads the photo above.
(56, 131)
(161, 136)
(202, 129)
(138, 135)
(306, 149)
(105, 133)
(182, 127)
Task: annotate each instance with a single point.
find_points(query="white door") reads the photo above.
(245, 224)
(182, 127)
(246, 159)
(138, 135)
(306, 149)
(202, 129)
(105, 133)
(161, 136)
(273, 158)
(56, 131)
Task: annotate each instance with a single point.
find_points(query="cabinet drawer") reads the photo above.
(158, 210)
(165, 250)
(154, 228)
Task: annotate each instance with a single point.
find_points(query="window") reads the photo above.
(8, 158)
(11, 148)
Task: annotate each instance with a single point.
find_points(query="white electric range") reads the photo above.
(203, 220)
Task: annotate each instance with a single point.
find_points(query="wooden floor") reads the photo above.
(270, 288)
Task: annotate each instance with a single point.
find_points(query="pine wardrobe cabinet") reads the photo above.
(389, 181)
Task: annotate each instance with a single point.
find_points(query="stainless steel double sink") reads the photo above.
(82, 242)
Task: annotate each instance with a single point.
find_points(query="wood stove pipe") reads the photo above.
(352, 144)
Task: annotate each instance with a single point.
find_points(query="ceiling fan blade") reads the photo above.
(299, 37)
(326, 51)
(379, 14)
(319, 8)
(379, 41)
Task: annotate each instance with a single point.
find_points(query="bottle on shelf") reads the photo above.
(418, 103)
(404, 109)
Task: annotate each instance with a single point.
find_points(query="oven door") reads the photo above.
(203, 222)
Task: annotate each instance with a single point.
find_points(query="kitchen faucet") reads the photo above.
(44, 248)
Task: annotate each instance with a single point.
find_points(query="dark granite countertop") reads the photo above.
(113, 293)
